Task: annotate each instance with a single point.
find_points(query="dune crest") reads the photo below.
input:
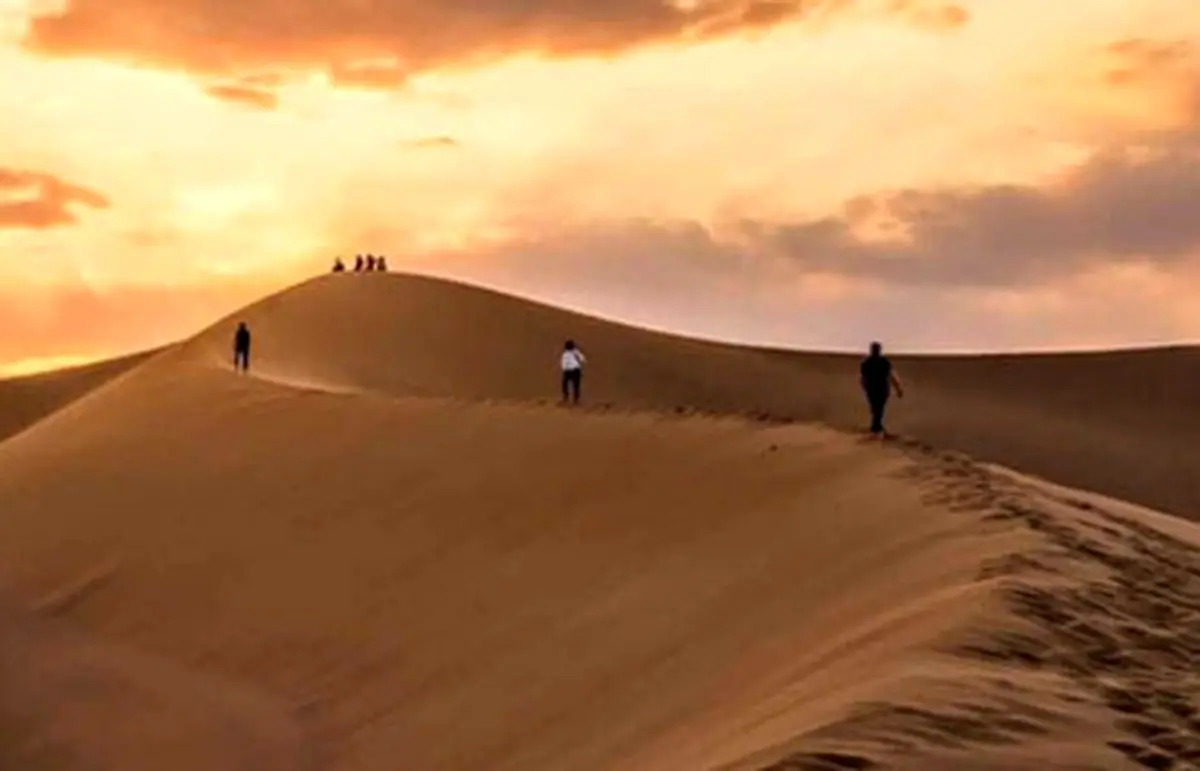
(1121, 423)
(382, 551)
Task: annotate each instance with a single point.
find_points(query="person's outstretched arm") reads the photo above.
(896, 384)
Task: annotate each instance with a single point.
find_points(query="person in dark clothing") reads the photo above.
(370, 263)
(339, 266)
(358, 263)
(878, 380)
(381, 264)
(241, 348)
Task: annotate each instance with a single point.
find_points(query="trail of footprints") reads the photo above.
(1117, 607)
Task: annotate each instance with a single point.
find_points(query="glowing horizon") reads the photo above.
(972, 176)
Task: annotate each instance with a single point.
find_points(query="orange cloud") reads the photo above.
(35, 200)
(248, 96)
(1123, 207)
(935, 17)
(1170, 67)
(1137, 60)
(380, 75)
(380, 43)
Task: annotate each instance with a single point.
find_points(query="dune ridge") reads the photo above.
(28, 399)
(1119, 423)
(386, 551)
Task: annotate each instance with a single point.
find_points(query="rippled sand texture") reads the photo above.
(390, 549)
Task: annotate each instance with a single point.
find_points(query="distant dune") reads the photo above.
(388, 550)
(26, 400)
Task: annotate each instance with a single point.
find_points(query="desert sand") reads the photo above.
(389, 549)
(28, 399)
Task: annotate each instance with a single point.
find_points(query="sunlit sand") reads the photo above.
(388, 547)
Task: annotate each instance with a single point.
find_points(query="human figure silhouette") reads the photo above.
(241, 348)
(572, 372)
(358, 263)
(370, 263)
(878, 379)
(339, 266)
(381, 264)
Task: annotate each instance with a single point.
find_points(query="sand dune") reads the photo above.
(26, 400)
(1120, 423)
(409, 562)
(69, 702)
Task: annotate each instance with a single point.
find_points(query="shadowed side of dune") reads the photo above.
(1121, 423)
(26, 400)
(415, 336)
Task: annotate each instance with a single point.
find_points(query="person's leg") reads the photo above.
(878, 406)
(578, 384)
(566, 385)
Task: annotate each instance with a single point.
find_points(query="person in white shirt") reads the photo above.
(572, 371)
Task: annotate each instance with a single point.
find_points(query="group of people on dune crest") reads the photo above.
(877, 376)
(363, 263)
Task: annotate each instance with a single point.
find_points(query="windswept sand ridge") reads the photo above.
(453, 583)
(486, 586)
(1121, 423)
(412, 336)
(505, 587)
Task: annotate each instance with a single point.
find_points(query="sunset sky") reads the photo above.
(982, 175)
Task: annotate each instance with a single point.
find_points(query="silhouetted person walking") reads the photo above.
(370, 263)
(358, 263)
(382, 264)
(878, 379)
(241, 348)
(572, 372)
(339, 266)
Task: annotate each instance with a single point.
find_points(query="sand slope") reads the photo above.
(387, 570)
(26, 400)
(70, 702)
(1119, 423)
(478, 586)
